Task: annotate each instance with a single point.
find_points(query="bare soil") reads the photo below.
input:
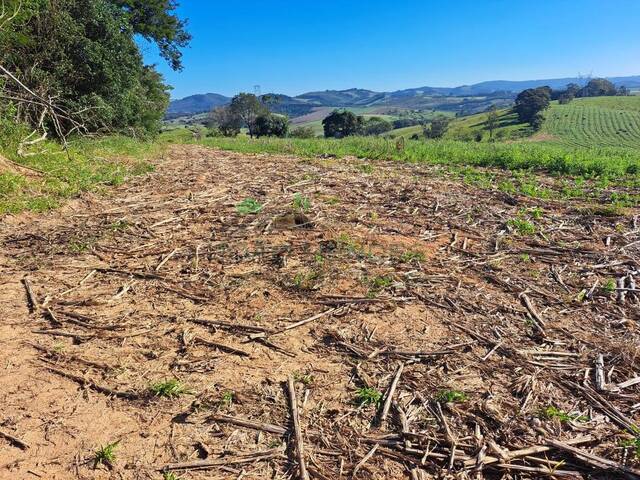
(498, 333)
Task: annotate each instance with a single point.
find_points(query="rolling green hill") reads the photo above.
(585, 122)
(595, 122)
(468, 127)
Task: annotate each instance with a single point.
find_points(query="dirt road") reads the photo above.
(346, 272)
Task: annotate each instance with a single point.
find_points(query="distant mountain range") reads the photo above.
(423, 98)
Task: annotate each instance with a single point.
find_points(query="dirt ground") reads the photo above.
(482, 336)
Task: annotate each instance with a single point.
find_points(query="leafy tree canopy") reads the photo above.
(271, 125)
(342, 123)
(248, 108)
(156, 21)
(531, 103)
(81, 56)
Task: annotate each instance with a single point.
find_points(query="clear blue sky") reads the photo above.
(296, 46)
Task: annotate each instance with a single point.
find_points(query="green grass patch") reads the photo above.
(522, 227)
(368, 396)
(89, 164)
(451, 396)
(249, 206)
(105, 455)
(531, 156)
(633, 444)
(169, 389)
(552, 412)
(301, 204)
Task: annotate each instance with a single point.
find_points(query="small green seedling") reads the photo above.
(451, 396)
(304, 378)
(522, 227)
(551, 412)
(409, 256)
(368, 396)
(170, 476)
(536, 213)
(227, 399)
(119, 226)
(366, 168)
(610, 285)
(168, 389)
(105, 455)
(634, 444)
(305, 280)
(381, 282)
(249, 206)
(301, 204)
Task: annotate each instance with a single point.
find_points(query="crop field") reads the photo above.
(596, 122)
(236, 315)
(542, 157)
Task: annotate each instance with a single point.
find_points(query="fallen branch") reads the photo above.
(595, 460)
(390, 392)
(297, 433)
(220, 462)
(241, 422)
(15, 440)
(95, 386)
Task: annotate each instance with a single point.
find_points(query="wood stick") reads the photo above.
(543, 470)
(95, 386)
(221, 346)
(629, 383)
(15, 440)
(523, 452)
(166, 259)
(390, 392)
(600, 381)
(537, 319)
(229, 325)
(33, 301)
(219, 462)
(294, 325)
(364, 460)
(297, 433)
(594, 460)
(241, 422)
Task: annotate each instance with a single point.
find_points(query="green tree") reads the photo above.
(223, 120)
(271, 125)
(492, 120)
(598, 87)
(248, 108)
(376, 126)
(437, 127)
(341, 123)
(531, 102)
(156, 22)
(82, 54)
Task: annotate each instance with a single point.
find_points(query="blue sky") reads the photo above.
(294, 46)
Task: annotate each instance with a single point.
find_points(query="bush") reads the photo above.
(437, 128)
(376, 126)
(271, 125)
(303, 132)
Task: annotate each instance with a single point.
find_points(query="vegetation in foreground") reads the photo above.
(53, 175)
(613, 163)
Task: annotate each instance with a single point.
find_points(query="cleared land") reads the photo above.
(497, 306)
